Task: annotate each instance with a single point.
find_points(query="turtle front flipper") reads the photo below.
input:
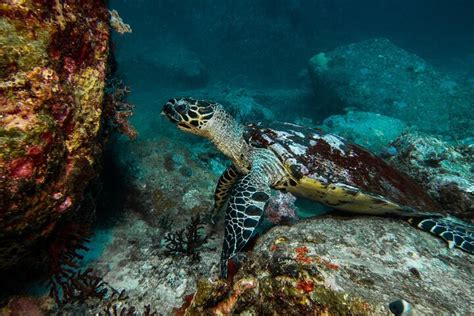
(453, 230)
(224, 186)
(244, 210)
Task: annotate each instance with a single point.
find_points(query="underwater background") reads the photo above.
(133, 233)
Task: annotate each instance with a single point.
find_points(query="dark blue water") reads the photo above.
(379, 69)
(267, 43)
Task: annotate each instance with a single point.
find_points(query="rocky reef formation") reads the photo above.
(377, 76)
(53, 65)
(318, 267)
(445, 170)
(371, 130)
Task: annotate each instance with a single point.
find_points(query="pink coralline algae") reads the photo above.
(21, 168)
(281, 208)
(52, 84)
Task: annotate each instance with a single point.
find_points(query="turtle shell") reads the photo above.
(321, 162)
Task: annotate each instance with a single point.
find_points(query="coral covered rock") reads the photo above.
(446, 171)
(53, 60)
(333, 266)
(377, 76)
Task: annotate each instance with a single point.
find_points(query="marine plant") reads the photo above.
(187, 241)
(117, 108)
(79, 287)
(69, 283)
(64, 254)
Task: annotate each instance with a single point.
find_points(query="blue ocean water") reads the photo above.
(396, 77)
(369, 71)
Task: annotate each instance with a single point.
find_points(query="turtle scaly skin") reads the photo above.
(309, 163)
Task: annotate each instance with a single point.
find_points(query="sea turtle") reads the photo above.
(305, 162)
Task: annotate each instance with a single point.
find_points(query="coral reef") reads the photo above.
(377, 76)
(64, 259)
(22, 305)
(342, 266)
(53, 62)
(157, 170)
(281, 208)
(132, 262)
(79, 287)
(445, 170)
(117, 108)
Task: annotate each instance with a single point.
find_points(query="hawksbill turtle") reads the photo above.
(306, 162)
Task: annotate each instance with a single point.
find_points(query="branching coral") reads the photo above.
(68, 283)
(118, 109)
(187, 241)
(64, 257)
(81, 286)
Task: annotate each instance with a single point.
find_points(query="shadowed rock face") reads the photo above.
(446, 171)
(339, 267)
(53, 61)
(377, 76)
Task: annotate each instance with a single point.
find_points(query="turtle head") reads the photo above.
(211, 121)
(192, 116)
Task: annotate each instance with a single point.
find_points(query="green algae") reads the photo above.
(22, 47)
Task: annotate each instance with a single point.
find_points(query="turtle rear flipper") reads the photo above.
(455, 231)
(244, 210)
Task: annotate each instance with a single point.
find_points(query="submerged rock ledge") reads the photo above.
(338, 266)
(53, 65)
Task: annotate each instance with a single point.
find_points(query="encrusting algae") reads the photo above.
(53, 67)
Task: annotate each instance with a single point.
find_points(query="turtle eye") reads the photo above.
(180, 107)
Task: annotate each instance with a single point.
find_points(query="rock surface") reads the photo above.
(53, 61)
(377, 76)
(446, 171)
(134, 261)
(370, 130)
(335, 266)
(170, 180)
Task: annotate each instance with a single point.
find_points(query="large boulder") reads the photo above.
(377, 76)
(445, 170)
(371, 130)
(53, 60)
(331, 266)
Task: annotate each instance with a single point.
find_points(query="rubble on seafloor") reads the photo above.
(167, 180)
